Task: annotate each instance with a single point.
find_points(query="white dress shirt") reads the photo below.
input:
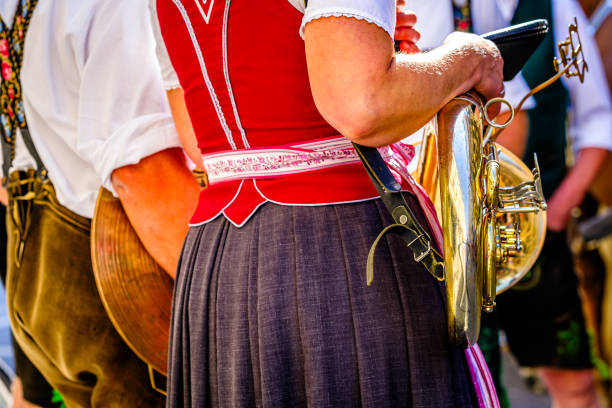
(93, 93)
(591, 107)
(591, 112)
(435, 22)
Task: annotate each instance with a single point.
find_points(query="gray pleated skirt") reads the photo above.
(278, 314)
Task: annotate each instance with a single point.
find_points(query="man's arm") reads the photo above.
(574, 187)
(591, 129)
(126, 130)
(159, 195)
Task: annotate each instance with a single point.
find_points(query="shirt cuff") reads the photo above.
(594, 131)
(171, 83)
(134, 141)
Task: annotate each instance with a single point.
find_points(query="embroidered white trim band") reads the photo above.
(262, 163)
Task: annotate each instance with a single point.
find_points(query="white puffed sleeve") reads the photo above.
(123, 109)
(171, 80)
(379, 12)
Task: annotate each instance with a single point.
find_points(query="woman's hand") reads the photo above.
(488, 75)
(405, 32)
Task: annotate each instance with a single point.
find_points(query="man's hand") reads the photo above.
(405, 32)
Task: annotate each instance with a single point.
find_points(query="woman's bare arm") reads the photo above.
(375, 97)
(184, 128)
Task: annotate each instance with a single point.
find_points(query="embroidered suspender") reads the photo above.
(12, 115)
(462, 16)
(22, 189)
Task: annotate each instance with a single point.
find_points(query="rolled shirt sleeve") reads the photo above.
(123, 110)
(591, 112)
(380, 12)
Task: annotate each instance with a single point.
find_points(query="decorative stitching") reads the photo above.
(226, 75)
(462, 16)
(298, 158)
(273, 163)
(205, 16)
(209, 85)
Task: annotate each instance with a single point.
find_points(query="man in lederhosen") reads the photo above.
(83, 106)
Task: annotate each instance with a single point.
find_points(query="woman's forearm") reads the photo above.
(375, 97)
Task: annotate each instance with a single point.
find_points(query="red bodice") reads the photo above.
(243, 69)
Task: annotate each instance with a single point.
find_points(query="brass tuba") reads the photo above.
(492, 210)
(492, 207)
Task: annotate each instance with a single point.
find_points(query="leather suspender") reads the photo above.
(406, 225)
(462, 15)
(12, 113)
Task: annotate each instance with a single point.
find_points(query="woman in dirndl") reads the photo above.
(271, 306)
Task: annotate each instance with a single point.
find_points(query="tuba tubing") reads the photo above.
(492, 215)
(459, 163)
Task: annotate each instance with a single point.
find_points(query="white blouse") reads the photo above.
(171, 80)
(93, 93)
(379, 12)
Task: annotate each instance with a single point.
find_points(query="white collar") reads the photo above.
(8, 8)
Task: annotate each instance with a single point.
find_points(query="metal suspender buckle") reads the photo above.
(424, 254)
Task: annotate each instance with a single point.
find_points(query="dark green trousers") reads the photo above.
(55, 310)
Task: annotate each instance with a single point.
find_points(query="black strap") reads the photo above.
(11, 98)
(27, 139)
(406, 224)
